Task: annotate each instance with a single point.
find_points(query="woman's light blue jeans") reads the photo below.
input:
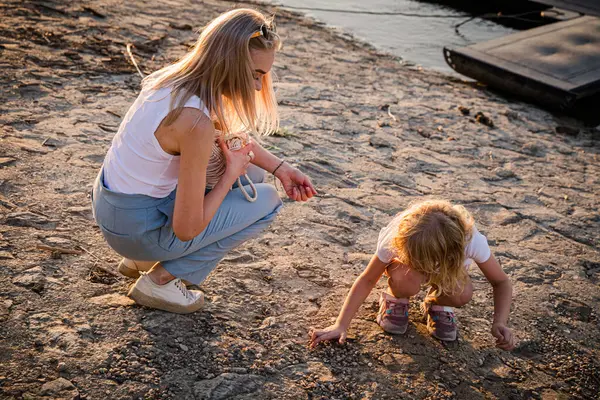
(140, 227)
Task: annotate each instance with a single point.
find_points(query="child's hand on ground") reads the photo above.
(504, 337)
(331, 332)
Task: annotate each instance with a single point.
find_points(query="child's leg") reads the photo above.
(441, 321)
(454, 300)
(403, 282)
(393, 305)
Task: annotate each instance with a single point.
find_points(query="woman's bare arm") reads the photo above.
(194, 140)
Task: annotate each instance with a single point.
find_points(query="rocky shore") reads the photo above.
(374, 134)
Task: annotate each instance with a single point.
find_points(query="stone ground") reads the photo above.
(374, 133)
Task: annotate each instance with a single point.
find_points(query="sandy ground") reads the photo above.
(68, 331)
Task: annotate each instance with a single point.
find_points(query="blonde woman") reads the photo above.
(151, 199)
(431, 243)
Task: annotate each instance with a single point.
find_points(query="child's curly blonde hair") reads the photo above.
(431, 239)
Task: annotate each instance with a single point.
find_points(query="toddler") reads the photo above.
(431, 243)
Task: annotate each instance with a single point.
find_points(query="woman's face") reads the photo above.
(262, 61)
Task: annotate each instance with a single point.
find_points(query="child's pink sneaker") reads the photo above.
(393, 314)
(441, 321)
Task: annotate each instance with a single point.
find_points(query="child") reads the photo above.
(432, 243)
(151, 199)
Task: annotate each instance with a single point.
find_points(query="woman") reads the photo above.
(151, 200)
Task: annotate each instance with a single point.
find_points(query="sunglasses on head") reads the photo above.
(264, 31)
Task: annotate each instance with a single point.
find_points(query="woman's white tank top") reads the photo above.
(135, 162)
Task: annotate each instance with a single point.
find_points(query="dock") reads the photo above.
(556, 65)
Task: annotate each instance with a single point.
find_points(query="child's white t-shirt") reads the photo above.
(476, 250)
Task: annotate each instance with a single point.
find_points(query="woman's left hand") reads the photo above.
(297, 186)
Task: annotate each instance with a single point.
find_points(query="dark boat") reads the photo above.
(555, 65)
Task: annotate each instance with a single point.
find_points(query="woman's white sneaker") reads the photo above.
(132, 268)
(172, 296)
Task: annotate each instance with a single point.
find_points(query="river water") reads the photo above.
(416, 39)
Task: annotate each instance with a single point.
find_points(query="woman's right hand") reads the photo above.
(236, 161)
(334, 331)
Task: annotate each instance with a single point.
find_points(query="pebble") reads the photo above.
(504, 172)
(183, 347)
(56, 386)
(5, 161)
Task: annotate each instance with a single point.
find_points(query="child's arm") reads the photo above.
(502, 300)
(358, 293)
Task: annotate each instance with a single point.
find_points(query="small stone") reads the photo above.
(269, 370)
(32, 279)
(181, 27)
(504, 172)
(378, 141)
(61, 367)
(29, 220)
(534, 149)
(421, 132)
(112, 300)
(5, 255)
(567, 130)
(5, 306)
(484, 119)
(6, 161)
(56, 386)
(183, 347)
(57, 241)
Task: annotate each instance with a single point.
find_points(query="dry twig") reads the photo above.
(133, 60)
(60, 250)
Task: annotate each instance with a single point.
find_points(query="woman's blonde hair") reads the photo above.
(431, 238)
(219, 71)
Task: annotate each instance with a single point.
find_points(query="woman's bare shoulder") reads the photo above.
(191, 125)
